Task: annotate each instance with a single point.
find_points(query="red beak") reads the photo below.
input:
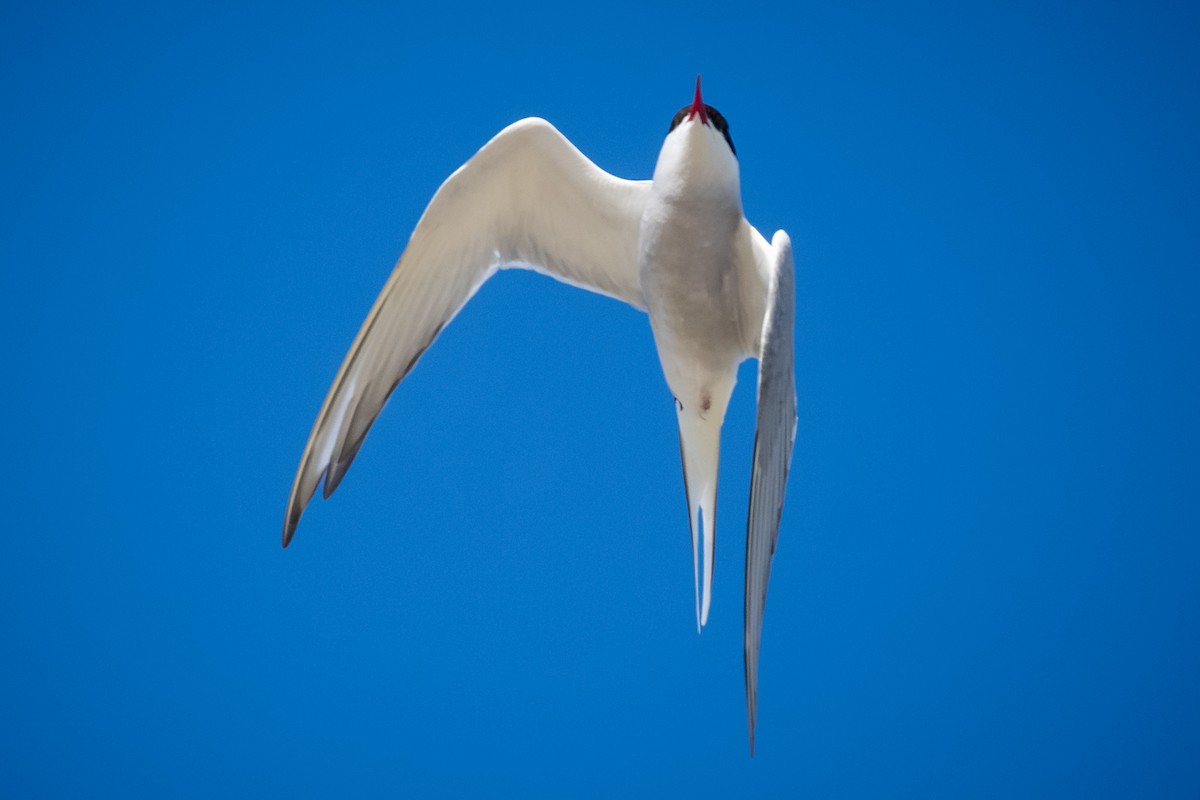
(698, 105)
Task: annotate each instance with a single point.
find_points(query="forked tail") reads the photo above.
(700, 450)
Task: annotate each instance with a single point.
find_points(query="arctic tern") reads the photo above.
(677, 247)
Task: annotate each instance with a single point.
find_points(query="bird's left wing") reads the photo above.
(528, 198)
(773, 438)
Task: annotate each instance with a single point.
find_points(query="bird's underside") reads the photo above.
(530, 199)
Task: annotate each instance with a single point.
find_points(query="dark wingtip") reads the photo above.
(337, 470)
(332, 478)
(289, 527)
(295, 509)
(751, 694)
(750, 720)
(300, 497)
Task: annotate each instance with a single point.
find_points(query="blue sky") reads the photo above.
(986, 583)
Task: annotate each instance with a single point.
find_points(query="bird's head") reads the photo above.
(705, 115)
(698, 152)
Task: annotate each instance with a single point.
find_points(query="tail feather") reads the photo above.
(700, 448)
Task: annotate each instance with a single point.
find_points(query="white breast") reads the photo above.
(689, 257)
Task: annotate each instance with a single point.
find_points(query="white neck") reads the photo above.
(695, 161)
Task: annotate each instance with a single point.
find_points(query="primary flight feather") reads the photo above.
(677, 246)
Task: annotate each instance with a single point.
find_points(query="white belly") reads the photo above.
(688, 270)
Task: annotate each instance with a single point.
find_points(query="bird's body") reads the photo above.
(677, 246)
(696, 265)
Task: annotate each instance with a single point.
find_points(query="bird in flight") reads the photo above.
(677, 247)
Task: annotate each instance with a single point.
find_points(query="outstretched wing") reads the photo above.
(528, 198)
(773, 438)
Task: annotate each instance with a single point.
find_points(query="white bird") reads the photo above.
(677, 246)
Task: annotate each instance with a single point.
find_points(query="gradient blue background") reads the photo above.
(986, 584)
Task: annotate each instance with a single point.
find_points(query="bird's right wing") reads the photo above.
(528, 198)
(773, 438)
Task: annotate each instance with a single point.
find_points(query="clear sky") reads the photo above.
(987, 579)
